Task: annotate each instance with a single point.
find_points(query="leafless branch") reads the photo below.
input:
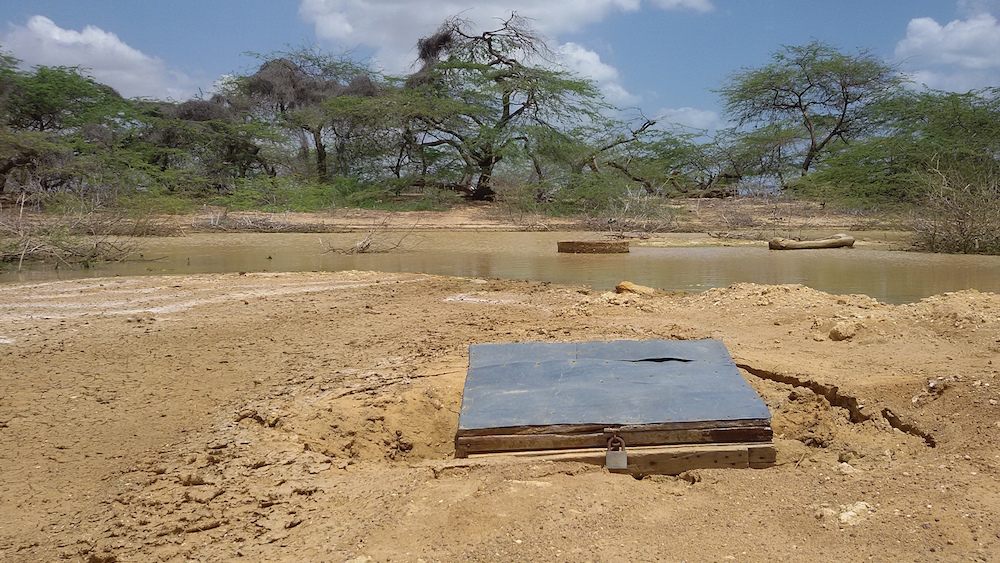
(370, 244)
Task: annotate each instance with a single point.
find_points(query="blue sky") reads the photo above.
(663, 57)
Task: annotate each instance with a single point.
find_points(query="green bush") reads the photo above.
(285, 194)
(390, 196)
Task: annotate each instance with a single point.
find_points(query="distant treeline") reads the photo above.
(490, 114)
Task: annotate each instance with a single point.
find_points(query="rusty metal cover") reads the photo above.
(612, 383)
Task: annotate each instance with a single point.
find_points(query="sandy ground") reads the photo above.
(311, 417)
(741, 218)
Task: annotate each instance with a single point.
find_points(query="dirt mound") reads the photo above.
(372, 415)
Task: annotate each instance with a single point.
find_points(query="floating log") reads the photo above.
(836, 241)
(593, 246)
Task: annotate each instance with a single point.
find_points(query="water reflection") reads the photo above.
(888, 276)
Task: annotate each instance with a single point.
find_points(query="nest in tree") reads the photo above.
(201, 110)
(429, 49)
(361, 86)
(276, 79)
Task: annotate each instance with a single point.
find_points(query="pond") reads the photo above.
(889, 276)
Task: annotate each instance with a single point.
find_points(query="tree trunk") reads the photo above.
(321, 173)
(483, 191)
(808, 161)
(4, 169)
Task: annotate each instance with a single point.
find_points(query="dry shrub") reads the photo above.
(962, 214)
(70, 240)
(638, 212)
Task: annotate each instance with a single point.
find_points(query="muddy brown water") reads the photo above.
(889, 276)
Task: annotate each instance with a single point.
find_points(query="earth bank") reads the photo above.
(310, 417)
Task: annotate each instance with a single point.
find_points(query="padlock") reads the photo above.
(616, 458)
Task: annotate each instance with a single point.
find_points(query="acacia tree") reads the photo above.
(8, 72)
(486, 94)
(54, 121)
(199, 145)
(948, 129)
(826, 93)
(56, 99)
(917, 132)
(952, 142)
(297, 86)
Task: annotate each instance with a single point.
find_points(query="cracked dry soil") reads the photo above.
(311, 417)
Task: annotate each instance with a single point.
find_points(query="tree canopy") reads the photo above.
(490, 95)
(815, 89)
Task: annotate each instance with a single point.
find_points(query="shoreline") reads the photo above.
(738, 216)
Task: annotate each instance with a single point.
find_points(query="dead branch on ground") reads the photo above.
(373, 241)
(68, 241)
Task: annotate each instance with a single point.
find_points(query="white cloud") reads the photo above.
(102, 54)
(588, 64)
(394, 26)
(693, 118)
(976, 7)
(696, 5)
(958, 56)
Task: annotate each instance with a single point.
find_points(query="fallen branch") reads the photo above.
(368, 244)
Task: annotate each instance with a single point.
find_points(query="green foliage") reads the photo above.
(589, 194)
(282, 194)
(432, 199)
(489, 113)
(828, 94)
(307, 130)
(8, 76)
(57, 98)
(954, 130)
(294, 87)
(870, 171)
(918, 132)
(26, 155)
(670, 163)
(389, 196)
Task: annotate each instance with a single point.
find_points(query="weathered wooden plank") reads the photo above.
(672, 462)
(465, 445)
(696, 436)
(762, 455)
(661, 460)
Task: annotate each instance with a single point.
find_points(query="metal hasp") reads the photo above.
(555, 396)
